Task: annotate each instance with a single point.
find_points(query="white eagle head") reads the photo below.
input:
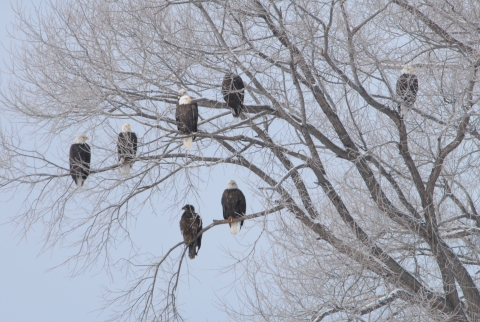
(407, 69)
(189, 207)
(184, 99)
(126, 128)
(82, 138)
(232, 185)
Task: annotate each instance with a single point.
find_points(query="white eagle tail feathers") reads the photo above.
(187, 143)
(125, 169)
(234, 227)
(79, 182)
(404, 109)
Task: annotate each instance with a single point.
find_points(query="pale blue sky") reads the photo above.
(29, 293)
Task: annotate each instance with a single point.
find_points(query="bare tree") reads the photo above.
(370, 207)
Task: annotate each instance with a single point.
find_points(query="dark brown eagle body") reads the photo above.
(79, 158)
(233, 91)
(190, 226)
(234, 205)
(127, 146)
(407, 88)
(186, 116)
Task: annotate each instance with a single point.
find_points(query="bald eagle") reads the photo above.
(187, 118)
(407, 87)
(233, 92)
(190, 226)
(127, 148)
(234, 205)
(80, 160)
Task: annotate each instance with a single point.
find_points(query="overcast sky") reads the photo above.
(30, 291)
(27, 291)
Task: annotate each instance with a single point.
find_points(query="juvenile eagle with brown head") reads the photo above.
(190, 226)
(233, 91)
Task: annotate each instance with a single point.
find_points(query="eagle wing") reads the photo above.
(407, 88)
(241, 204)
(239, 87)
(199, 228)
(186, 116)
(194, 117)
(233, 92)
(134, 139)
(127, 145)
(190, 226)
(224, 204)
(233, 203)
(80, 156)
(186, 226)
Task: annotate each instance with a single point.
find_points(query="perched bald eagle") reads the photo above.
(190, 226)
(234, 205)
(186, 116)
(80, 160)
(407, 87)
(233, 92)
(127, 148)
